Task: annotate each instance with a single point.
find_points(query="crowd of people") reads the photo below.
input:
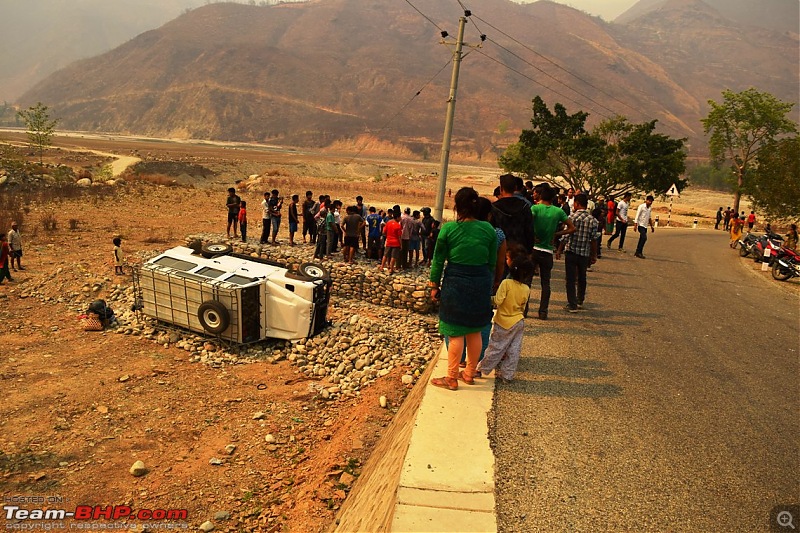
(488, 256)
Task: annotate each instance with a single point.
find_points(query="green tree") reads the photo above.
(40, 127)
(774, 185)
(740, 127)
(614, 158)
(518, 158)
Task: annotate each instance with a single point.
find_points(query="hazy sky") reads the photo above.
(608, 9)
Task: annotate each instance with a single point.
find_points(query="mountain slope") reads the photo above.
(777, 15)
(39, 37)
(317, 72)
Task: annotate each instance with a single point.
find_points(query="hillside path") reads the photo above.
(670, 404)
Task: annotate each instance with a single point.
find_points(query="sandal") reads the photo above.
(445, 383)
(463, 378)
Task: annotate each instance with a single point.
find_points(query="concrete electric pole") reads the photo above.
(448, 127)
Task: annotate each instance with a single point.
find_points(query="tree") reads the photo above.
(40, 127)
(740, 127)
(614, 158)
(774, 185)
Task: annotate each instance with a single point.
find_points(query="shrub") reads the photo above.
(49, 222)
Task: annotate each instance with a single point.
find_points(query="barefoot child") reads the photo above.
(118, 256)
(505, 341)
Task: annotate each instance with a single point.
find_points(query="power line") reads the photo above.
(558, 66)
(444, 33)
(386, 124)
(535, 81)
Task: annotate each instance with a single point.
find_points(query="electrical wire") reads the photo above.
(426, 17)
(557, 65)
(535, 81)
(386, 124)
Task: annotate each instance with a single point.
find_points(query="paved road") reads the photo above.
(670, 404)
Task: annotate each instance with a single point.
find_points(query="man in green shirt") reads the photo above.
(548, 224)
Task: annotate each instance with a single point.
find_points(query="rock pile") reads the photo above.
(360, 281)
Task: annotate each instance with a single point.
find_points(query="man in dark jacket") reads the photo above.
(512, 214)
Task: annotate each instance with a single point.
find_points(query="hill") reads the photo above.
(323, 71)
(46, 36)
(778, 15)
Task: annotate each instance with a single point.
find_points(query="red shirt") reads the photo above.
(242, 215)
(393, 231)
(751, 218)
(4, 252)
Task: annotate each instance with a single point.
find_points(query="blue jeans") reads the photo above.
(642, 239)
(276, 223)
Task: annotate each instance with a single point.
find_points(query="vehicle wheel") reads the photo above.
(216, 248)
(780, 273)
(314, 271)
(743, 251)
(213, 316)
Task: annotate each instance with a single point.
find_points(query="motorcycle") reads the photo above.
(786, 265)
(766, 248)
(747, 244)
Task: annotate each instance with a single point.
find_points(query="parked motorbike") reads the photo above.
(766, 248)
(786, 265)
(747, 244)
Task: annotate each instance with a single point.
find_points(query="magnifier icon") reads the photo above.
(785, 519)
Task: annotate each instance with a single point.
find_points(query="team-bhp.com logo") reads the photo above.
(94, 512)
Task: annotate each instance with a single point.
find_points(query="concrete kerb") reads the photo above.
(433, 470)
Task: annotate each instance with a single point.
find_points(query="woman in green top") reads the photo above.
(469, 246)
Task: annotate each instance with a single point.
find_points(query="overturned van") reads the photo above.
(232, 296)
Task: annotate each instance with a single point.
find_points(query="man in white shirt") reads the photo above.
(643, 219)
(622, 222)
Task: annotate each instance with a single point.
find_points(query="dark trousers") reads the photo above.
(544, 261)
(265, 225)
(642, 239)
(576, 266)
(403, 261)
(322, 244)
(310, 228)
(243, 231)
(716, 226)
(373, 248)
(5, 272)
(621, 230)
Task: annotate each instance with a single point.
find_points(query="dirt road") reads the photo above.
(669, 404)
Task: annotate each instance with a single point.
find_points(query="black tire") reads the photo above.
(780, 272)
(314, 271)
(214, 249)
(213, 316)
(743, 251)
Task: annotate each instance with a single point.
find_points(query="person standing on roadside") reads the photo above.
(373, 221)
(265, 223)
(548, 224)
(309, 225)
(275, 204)
(425, 227)
(727, 219)
(751, 220)
(352, 224)
(294, 218)
(469, 248)
(15, 245)
(512, 214)
(243, 220)
(233, 210)
(643, 219)
(362, 210)
(580, 251)
(622, 222)
(720, 215)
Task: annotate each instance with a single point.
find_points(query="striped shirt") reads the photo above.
(580, 242)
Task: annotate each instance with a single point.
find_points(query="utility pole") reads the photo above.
(448, 126)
